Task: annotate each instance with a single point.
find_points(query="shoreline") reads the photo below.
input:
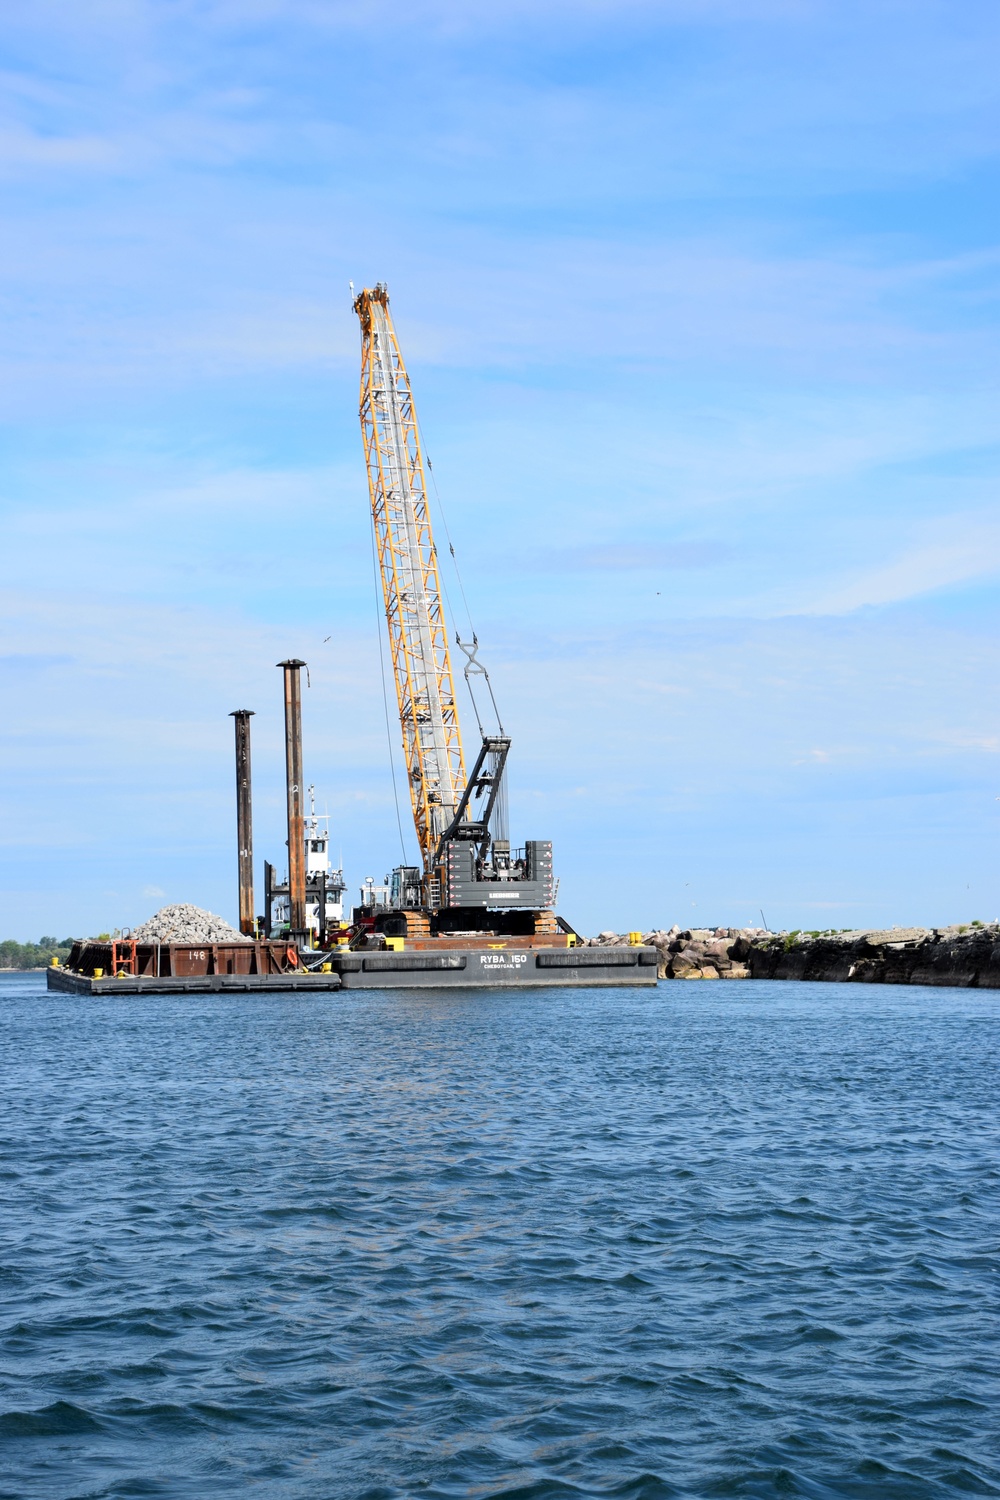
(962, 956)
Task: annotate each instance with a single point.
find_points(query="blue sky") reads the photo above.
(700, 303)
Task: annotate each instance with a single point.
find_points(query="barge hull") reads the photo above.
(454, 968)
(506, 969)
(196, 984)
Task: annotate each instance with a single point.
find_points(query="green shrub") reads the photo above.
(15, 955)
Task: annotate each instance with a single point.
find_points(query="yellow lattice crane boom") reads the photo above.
(411, 590)
(469, 873)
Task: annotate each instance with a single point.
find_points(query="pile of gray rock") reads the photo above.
(693, 953)
(183, 923)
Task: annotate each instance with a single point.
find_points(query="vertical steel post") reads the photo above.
(293, 779)
(244, 818)
(269, 884)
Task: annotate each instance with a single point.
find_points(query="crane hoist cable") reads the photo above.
(451, 545)
(473, 666)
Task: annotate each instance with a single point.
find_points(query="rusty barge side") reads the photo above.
(125, 966)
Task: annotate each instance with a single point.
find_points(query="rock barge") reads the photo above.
(126, 967)
(213, 957)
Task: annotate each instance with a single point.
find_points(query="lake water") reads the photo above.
(727, 1239)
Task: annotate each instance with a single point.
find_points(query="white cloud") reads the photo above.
(23, 148)
(458, 15)
(957, 549)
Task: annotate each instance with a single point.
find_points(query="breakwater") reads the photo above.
(965, 956)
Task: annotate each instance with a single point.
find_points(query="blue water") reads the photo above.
(707, 1240)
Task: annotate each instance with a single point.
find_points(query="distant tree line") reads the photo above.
(14, 955)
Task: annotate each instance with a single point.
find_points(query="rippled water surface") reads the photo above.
(715, 1239)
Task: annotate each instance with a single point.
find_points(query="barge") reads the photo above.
(125, 967)
(148, 984)
(494, 966)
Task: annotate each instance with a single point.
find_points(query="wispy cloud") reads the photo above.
(619, 557)
(20, 148)
(952, 551)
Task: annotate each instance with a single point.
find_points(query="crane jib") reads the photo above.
(411, 589)
(461, 822)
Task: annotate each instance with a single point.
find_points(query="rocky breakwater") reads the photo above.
(966, 956)
(693, 953)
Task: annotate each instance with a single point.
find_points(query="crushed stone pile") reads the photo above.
(183, 923)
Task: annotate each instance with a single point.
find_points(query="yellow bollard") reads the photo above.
(326, 968)
(635, 938)
(98, 973)
(122, 974)
(55, 962)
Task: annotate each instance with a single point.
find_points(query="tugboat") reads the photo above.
(325, 887)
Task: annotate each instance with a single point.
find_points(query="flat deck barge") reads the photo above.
(124, 966)
(155, 984)
(127, 968)
(499, 967)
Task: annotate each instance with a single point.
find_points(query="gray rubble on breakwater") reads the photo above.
(697, 953)
(964, 955)
(687, 954)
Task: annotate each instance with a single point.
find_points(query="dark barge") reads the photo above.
(126, 967)
(496, 965)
